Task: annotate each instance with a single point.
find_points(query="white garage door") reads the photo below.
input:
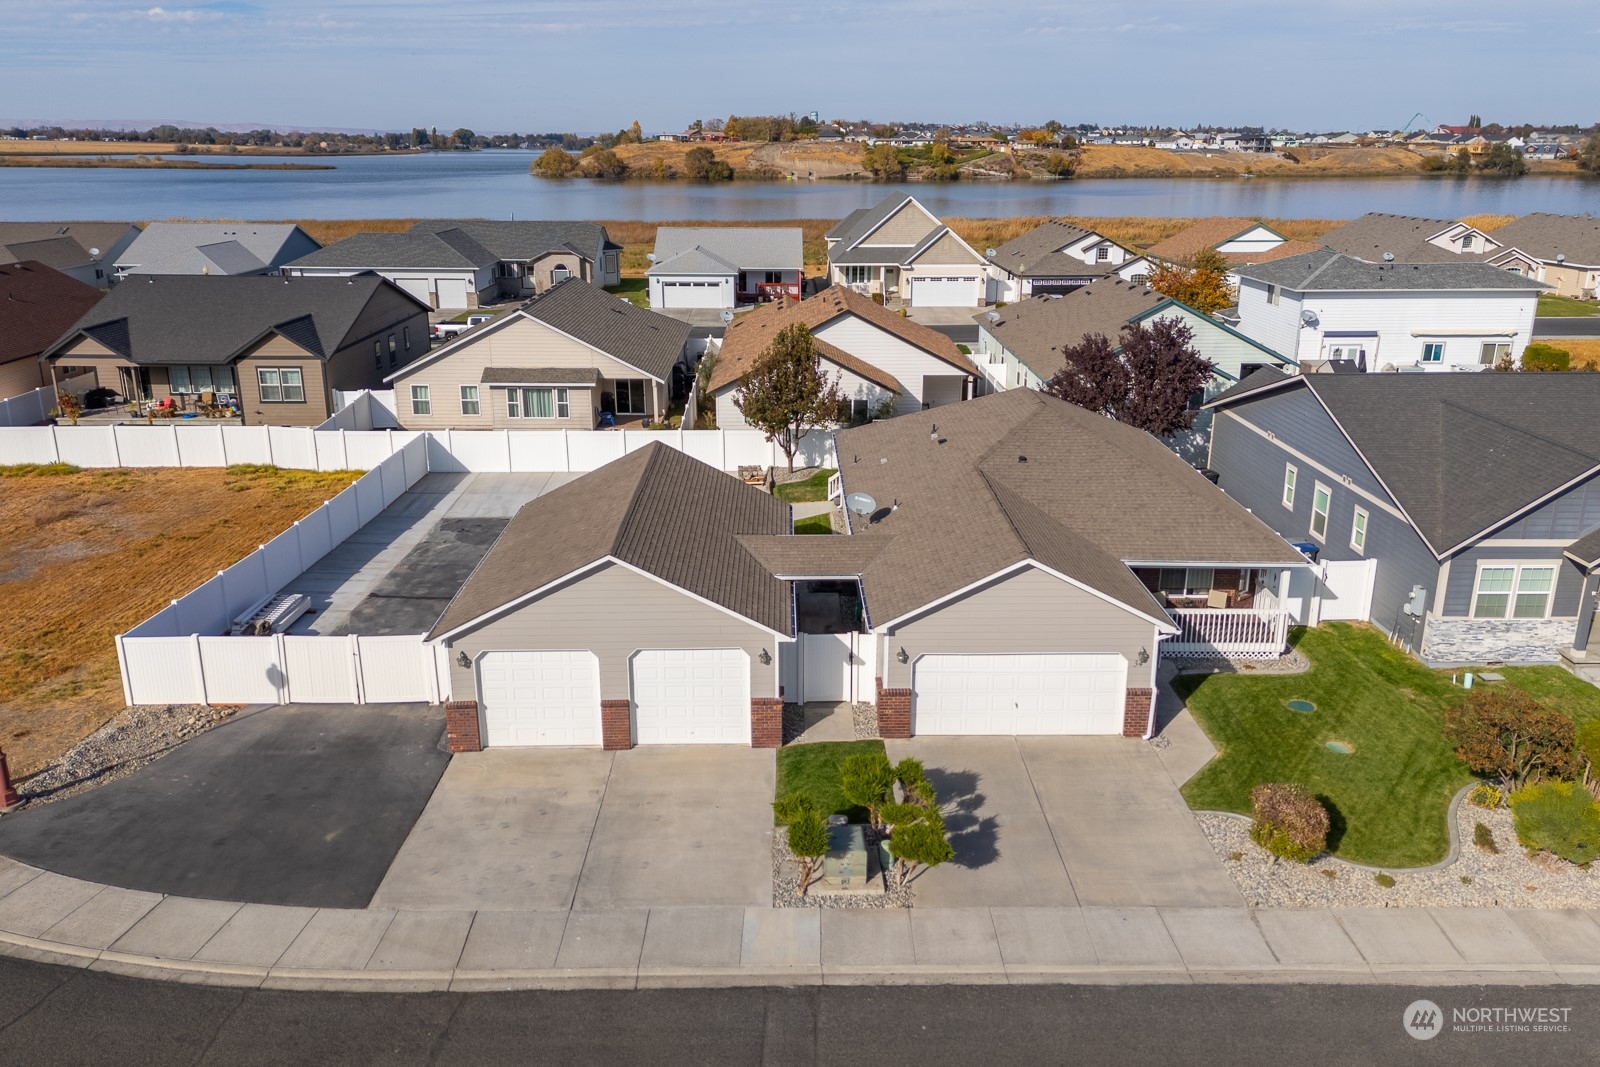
(691, 696)
(539, 698)
(452, 292)
(417, 287)
(1025, 694)
(691, 294)
(945, 292)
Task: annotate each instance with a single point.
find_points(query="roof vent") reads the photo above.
(1388, 257)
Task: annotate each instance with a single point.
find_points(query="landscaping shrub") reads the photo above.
(1505, 732)
(808, 834)
(866, 780)
(914, 784)
(1558, 817)
(1484, 795)
(1589, 752)
(1288, 821)
(920, 844)
(1542, 357)
(1385, 880)
(1483, 837)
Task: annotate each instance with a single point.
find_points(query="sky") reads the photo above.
(592, 65)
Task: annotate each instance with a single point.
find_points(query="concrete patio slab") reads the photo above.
(866, 938)
(176, 928)
(1217, 937)
(1487, 936)
(506, 829)
(103, 918)
(1395, 936)
(1131, 937)
(677, 938)
(257, 935)
(422, 941)
(603, 939)
(1308, 938)
(1565, 936)
(1005, 852)
(336, 941)
(41, 902)
(500, 496)
(781, 937)
(1042, 936)
(513, 941)
(955, 937)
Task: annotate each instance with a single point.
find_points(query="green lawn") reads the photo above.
(634, 290)
(1565, 307)
(808, 491)
(815, 524)
(814, 770)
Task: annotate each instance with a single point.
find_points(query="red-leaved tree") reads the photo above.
(1145, 380)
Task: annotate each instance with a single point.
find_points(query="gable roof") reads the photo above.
(1403, 236)
(1031, 254)
(1545, 236)
(1189, 242)
(61, 245)
(1020, 476)
(1586, 549)
(1037, 329)
(742, 247)
(749, 335)
(1460, 453)
(693, 261)
(656, 509)
(432, 250)
(1328, 271)
(860, 225)
(162, 319)
(526, 239)
(226, 248)
(38, 303)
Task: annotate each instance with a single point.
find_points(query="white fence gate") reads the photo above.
(1346, 589)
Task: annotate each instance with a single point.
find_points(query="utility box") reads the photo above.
(844, 868)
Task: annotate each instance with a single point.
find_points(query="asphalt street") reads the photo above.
(51, 1015)
(1576, 326)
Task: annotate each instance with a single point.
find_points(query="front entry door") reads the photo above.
(891, 280)
(134, 382)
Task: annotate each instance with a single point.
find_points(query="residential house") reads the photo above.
(899, 250)
(37, 305)
(1087, 552)
(469, 263)
(1239, 241)
(725, 266)
(1057, 258)
(1327, 307)
(1459, 513)
(1380, 237)
(84, 251)
(278, 348)
(881, 359)
(1563, 251)
(229, 249)
(571, 358)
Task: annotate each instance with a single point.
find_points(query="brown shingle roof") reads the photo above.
(1403, 236)
(1545, 236)
(748, 336)
(38, 305)
(657, 509)
(540, 376)
(1184, 245)
(1036, 330)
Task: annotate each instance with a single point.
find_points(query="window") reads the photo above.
(1102, 254)
(856, 274)
(540, 403)
(774, 277)
(1185, 581)
(1290, 474)
(405, 334)
(280, 385)
(1358, 531)
(469, 400)
(1274, 293)
(1321, 499)
(1141, 279)
(1522, 589)
(193, 380)
(1493, 352)
(421, 400)
(559, 275)
(377, 355)
(1433, 352)
(1466, 241)
(630, 396)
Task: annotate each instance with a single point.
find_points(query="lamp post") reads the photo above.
(8, 793)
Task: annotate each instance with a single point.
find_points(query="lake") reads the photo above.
(496, 184)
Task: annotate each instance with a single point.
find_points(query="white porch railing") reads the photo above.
(835, 486)
(1240, 632)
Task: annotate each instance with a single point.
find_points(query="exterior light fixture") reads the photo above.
(902, 656)
(1144, 657)
(463, 659)
(765, 657)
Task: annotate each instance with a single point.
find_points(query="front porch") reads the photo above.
(1221, 611)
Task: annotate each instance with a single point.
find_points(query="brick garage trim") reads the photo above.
(766, 722)
(616, 724)
(894, 712)
(1136, 712)
(461, 726)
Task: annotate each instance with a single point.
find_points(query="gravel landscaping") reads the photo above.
(864, 719)
(786, 882)
(136, 737)
(1292, 662)
(1475, 879)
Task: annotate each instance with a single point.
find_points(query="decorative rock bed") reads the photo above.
(1292, 662)
(786, 882)
(864, 719)
(1474, 879)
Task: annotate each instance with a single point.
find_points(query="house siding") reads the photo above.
(22, 376)
(852, 385)
(278, 351)
(1026, 612)
(906, 362)
(947, 250)
(614, 612)
(908, 226)
(1464, 575)
(541, 268)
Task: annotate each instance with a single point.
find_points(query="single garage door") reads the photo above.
(417, 287)
(1024, 694)
(539, 698)
(691, 294)
(946, 292)
(691, 696)
(452, 292)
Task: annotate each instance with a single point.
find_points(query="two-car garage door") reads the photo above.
(692, 294)
(1018, 694)
(950, 291)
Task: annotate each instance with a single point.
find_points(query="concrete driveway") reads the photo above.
(558, 828)
(1040, 821)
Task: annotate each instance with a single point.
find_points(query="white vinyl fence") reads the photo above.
(33, 407)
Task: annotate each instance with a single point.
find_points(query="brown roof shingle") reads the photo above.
(1184, 245)
(1036, 330)
(37, 305)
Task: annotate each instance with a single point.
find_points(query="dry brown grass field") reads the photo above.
(91, 553)
(1585, 351)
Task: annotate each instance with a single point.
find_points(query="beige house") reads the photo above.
(574, 358)
(899, 250)
(1563, 251)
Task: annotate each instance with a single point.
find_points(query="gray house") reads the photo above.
(1459, 513)
(229, 249)
(81, 250)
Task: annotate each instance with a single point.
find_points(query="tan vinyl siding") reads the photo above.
(583, 405)
(908, 226)
(277, 351)
(22, 376)
(615, 611)
(947, 249)
(1030, 611)
(540, 268)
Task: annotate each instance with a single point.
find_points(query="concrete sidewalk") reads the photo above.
(54, 919)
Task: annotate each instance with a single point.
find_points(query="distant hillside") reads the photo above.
(789, 159)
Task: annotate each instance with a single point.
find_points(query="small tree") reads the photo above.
(808, 834)
(554, 163)
(1059, 165)
(920, 844)
(1146, 381)
(1202, 284)
(914, 784)
(700, 164)
(1589, 155)
(1288, 821)
(788, 394)
(606, 165)
(866, 780)
(464, 137)
(1543, 357)
(883, 162)
(1589, 753)
(69, 405)
(1504, 732)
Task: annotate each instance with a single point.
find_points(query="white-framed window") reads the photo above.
(1291, 474)
(1466, 242)
(1102, 254)
(1274, 294)
(421, 400)
(1493, 352)
(281, 385)
(469, 400)
(559, 274)
(630, 394)
(193, 380)
(1185, 581)
(1321, 501)
(541, 402)
(1433, 352)
(1513, 590)
(1358, 530)
(1141, 279)
(856, 274)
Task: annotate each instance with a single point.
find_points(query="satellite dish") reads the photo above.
(651, 256)
(94, 252)
(1388, 257)
(993, 317)
(1561, 257)
(861, 503)
(1308, 317)
(991, 253)
(727, 316)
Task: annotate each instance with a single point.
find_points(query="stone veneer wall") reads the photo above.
(1463, 640)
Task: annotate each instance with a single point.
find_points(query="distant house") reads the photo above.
(280, 347)
(230, 249)
(559, 361)
(1327, 307)
(1239, 241)
(84, 251)
(1563, 251)
(899, 250)
(468, 263)
(725, 266)
(1382, 237)
(37, 305)
(1057, 258)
